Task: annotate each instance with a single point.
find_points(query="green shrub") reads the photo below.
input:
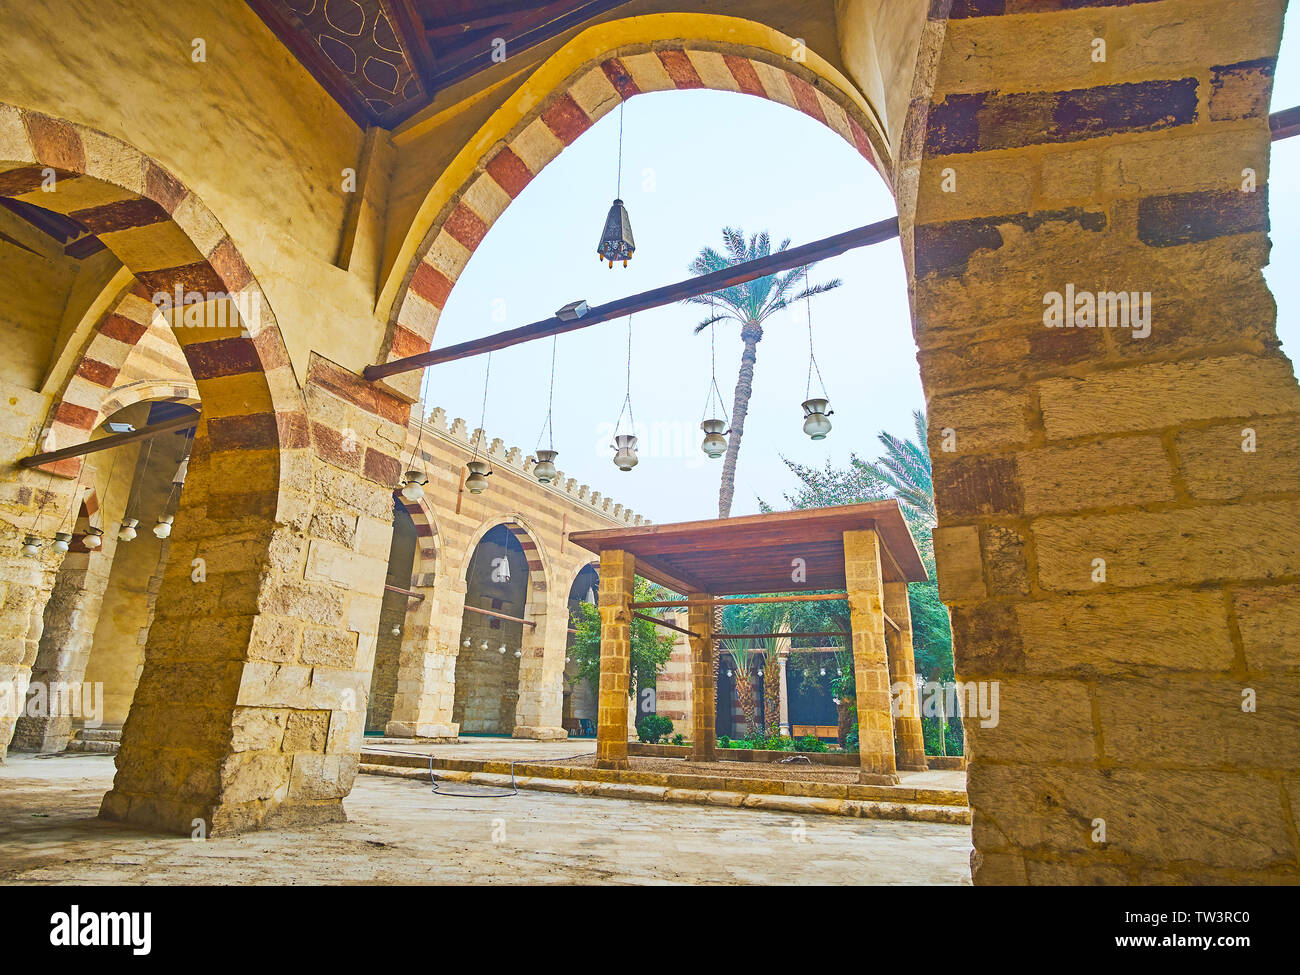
(678, 740)
(653, 728)
(851, 739)
(724, 742)
(780, 743)
(810, 743)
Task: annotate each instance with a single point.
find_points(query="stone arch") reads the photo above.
(539, 562)
(426, 527)
(198, 681)
(149, 390)
(165, 236)
(578, 85)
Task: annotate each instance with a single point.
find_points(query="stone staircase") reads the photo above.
(101, 741)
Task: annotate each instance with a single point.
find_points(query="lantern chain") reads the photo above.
(487, 375)
(812, 357)
(548, 426)
(715, 394)
(627, 399)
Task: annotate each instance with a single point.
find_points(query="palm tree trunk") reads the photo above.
(751, 334)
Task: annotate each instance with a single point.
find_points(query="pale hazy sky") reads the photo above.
(695, 161)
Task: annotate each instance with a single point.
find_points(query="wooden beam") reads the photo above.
(807, 597)
(872, 233)
(769, 636)
(404, 592)
(496, 615)
(663, 623)
(108, 443)
(1284, 124)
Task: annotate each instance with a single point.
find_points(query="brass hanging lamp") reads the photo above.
(545, 471)
(816, 409)
(616, 241)
(480, 470)
(713, 426)
(625, 443)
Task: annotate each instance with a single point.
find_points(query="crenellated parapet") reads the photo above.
(515, 458)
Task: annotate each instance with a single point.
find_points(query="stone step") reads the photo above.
(860, 808)
(95, 747)
(98, 734)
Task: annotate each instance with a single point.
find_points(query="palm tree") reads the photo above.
(905, 467)
(750, 305)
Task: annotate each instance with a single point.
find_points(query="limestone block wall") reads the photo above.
(1119, 509)
(540, 518)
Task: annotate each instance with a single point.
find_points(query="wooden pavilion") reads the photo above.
(862, 552)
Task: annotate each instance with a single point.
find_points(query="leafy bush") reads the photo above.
(810, 743)
(724, 742)
(653, 728)
(678, 740)
(851, 739)
(780, 743)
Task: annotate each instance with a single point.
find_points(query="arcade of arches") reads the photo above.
(247, 642)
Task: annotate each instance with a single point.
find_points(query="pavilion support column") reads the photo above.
(785, 693)
(909, 742)
(704, 685)
(617, 571)
(864, 583)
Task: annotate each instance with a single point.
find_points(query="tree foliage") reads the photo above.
(749, 305)
(902, 472)
(651, 645)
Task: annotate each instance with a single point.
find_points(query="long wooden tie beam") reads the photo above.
(769, 636)
(872, 233)
(663, 623)
(803, 597)
(1284, 124)
(500, 616)
(109, 442)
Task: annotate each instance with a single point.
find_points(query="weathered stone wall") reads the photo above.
(1112, 556)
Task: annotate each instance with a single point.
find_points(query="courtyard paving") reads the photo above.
(400, 833)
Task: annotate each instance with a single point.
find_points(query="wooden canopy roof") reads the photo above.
(754, 554)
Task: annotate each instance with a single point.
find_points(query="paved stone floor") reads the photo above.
(399, 833)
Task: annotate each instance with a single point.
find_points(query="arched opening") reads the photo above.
(579, 712)
(493, 638)
(393, 621)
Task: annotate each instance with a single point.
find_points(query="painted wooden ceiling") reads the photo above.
(384, 60)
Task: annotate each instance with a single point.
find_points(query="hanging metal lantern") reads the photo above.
(128, 530)
(93, 538)
(61, 540)
(816, 418)
(545, 470)
(715, 443)
(31, 546)
(413, 483)
(478, 475)
(164, 526)
(616, 243)
(625, 451)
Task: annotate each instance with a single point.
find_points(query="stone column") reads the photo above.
(785, 693)
(68, 628)
(541, 672)
(426, 669)
(26, 585)
(617, 571)
(1119, 523)
(909, 742)
(704, 686)
(866, 596)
